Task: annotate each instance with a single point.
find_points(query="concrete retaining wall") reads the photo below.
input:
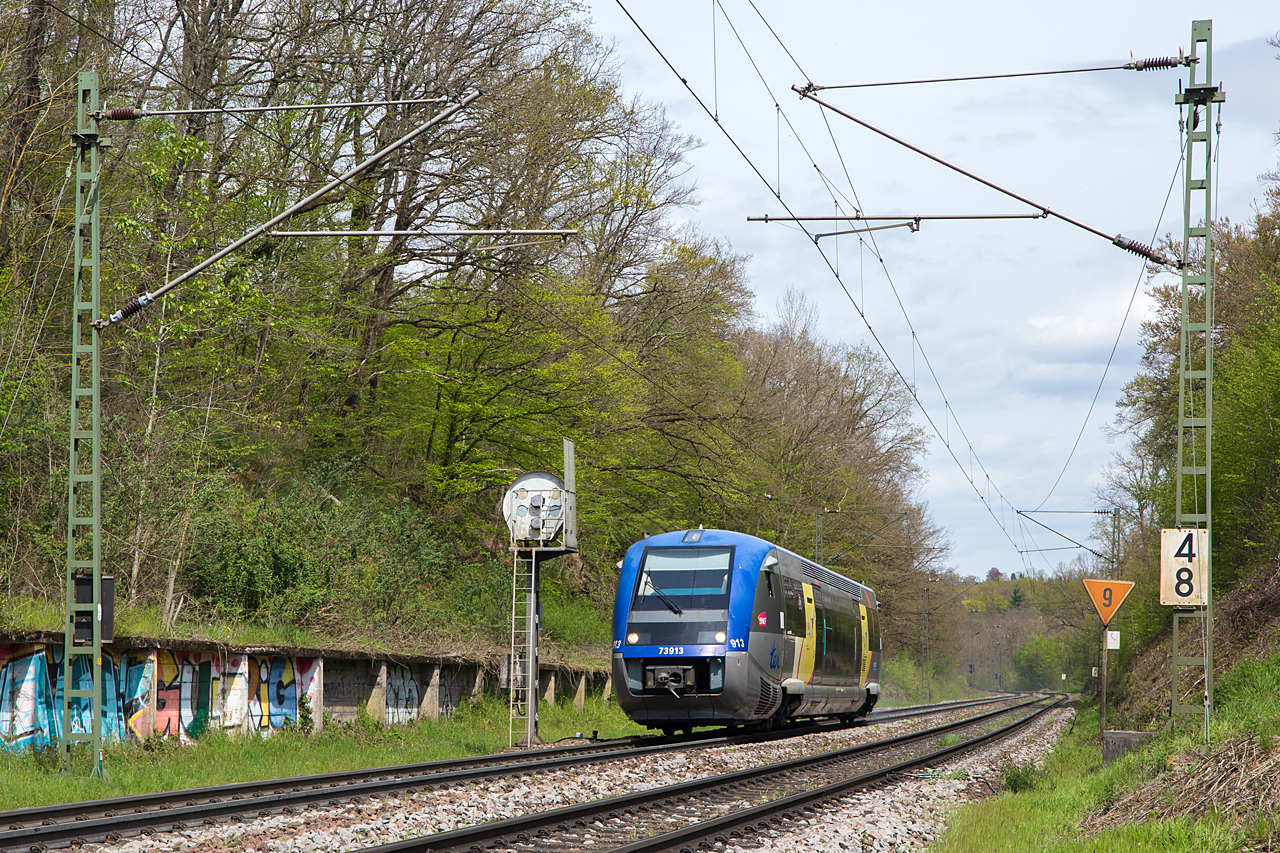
(182, 689)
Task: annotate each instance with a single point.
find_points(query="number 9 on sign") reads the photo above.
(1183, 576)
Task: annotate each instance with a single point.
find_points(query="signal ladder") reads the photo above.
(523, 692)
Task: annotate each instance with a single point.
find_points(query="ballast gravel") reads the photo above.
(906, 815)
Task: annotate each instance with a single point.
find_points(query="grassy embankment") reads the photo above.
(1044, 810)
(162, 764)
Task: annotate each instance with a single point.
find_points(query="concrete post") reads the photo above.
(431, 696)
(317, 706)
(377, 706)
(580, 695)
(548, 679)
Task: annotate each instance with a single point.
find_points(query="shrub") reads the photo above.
(1022, 777)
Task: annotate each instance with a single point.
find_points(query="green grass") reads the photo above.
(162, 765)
(1042, 810)
(23, 613)
(1246, 700)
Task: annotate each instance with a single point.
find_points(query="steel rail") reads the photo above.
(122, 816)
(502, 833)
(726, 828)
(119, 817)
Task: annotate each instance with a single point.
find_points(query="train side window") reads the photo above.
(768, 577)
(793, 606)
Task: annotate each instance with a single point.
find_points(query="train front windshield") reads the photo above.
(681, 597)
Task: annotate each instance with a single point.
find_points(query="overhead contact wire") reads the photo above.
(1135, 65)
(1138, 65)
(751, 164)
(911, 326)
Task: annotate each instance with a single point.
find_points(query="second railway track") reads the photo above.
(718, 810)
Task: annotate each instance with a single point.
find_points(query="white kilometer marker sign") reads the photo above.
(1182, 566)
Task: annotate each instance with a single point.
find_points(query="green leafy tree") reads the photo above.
(1038, 663)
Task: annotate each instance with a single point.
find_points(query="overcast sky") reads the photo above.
(1014, 321)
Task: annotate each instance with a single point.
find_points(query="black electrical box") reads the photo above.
(107, 610)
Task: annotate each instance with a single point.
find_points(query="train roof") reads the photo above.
(752, 545)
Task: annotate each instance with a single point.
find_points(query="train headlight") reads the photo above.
(720, 638)
(633, 638)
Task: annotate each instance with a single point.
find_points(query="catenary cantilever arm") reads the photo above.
(1125, 243)
(137, 304)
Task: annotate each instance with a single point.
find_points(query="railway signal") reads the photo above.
(541, 511)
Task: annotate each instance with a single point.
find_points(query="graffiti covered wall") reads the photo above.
(402, 694)
(173, 693)
(451, 684)
(263, 691)
(26, 698)
(31, 695)
(165, 692)
(186, 693)
(348, 684)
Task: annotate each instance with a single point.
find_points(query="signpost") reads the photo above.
(1107, 597)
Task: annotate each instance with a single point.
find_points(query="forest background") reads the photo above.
(309, 443)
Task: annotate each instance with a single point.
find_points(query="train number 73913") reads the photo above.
(670, 650)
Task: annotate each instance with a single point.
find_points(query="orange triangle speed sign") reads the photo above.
(1107, 596)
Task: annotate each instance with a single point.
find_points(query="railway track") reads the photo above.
(110, 820)
(720, 810)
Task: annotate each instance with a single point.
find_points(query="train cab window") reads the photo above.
(682, 596)
(768, 579)
(686, 578)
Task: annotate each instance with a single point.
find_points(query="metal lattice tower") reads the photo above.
(82, 649)
(1193, 496)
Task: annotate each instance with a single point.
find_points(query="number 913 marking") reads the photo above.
(670, 650)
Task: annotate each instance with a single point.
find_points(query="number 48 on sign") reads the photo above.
(1182, 567)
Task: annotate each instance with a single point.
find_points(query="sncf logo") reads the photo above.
(762, 619)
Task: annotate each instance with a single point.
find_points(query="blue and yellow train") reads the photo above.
(712, 627)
